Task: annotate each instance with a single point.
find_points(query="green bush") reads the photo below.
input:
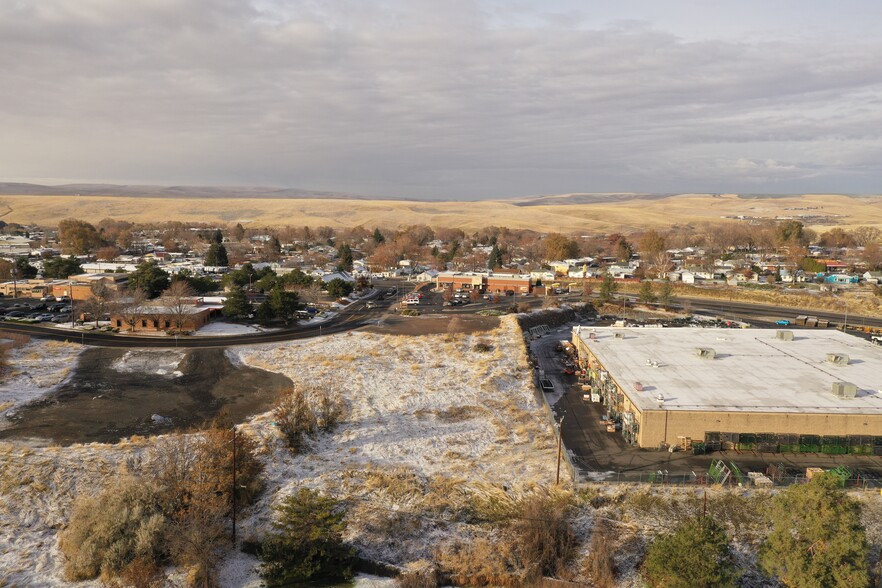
(307, 543)
(817, 539)
(695, 555)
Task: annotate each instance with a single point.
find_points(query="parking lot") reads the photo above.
(599, 455)
(45, 310)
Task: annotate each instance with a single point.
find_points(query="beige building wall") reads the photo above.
(666, 425)
(658, 426)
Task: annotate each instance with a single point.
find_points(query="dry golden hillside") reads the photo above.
(623, 215)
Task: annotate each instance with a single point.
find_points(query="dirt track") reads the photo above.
(102, 402)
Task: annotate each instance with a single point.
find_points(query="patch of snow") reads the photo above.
(221, 328)
(149, 361)
(422, 410)
(36, 369)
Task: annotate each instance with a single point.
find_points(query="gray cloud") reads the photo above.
(415, 98)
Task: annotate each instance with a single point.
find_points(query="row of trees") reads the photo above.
(816, 540)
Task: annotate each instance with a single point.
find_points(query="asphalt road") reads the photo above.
(353, 317)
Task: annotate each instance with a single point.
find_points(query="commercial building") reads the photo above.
(493, 282)
(749, 389)
(158, 317)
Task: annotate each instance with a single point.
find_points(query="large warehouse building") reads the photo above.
(749, 389)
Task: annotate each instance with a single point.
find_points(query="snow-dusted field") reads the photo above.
(221, 328)
(35, 370)
(431, 424)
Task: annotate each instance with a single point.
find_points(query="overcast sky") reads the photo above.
(445, 98)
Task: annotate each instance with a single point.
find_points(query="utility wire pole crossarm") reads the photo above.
(559, 447)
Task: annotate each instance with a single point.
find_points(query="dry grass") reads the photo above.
(620, 216)
(858, 302)
(18, 339)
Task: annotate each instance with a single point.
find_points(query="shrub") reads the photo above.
(600, 564)
(307, 543)
(410, 312)
(817, 538)
(483, 346)
(418, 574)
(294, 417)
(300, 413)
(543, 538)
(121, 528)
(329, 411)
(696, 554)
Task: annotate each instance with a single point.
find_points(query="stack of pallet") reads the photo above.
(760, 480)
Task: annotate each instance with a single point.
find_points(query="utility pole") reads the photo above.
(559, 447)
(72, 315)
(234, 485)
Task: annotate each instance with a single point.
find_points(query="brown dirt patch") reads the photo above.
(392, 324)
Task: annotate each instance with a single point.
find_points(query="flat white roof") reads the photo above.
(753, 371)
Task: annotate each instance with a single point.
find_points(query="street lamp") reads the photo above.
(71, 305)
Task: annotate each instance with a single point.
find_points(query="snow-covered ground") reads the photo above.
(221, 328)
(431, 424)
(35, 369)
(163, 362)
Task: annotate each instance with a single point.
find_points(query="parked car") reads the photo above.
(547, 385)
(48, 298)
(782, 322)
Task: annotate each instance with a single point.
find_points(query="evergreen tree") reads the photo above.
(696, 555)
(217, 237)
(666, 293)
(236, 305)
(495, 259)
(285, 304)
(339, 288)
(239, 232)
(378, 236)
(647, 295)
(265, 312)
(24, 270)
(608, 288)
(149, 278)
(61, 267)
(344, 257)
(817, 538)
(216, 256)
(307, 542)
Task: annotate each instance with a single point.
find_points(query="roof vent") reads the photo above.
(784, 335)
(705, 353)
(838, 359)
(620, 335)
(844, 390)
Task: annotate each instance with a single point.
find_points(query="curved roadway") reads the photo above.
(354, 316)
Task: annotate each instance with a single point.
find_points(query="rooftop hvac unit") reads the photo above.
(620, 335)
(839, 359)
(844, 390)
(784, 335)
(638, 386)
(705, 353)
